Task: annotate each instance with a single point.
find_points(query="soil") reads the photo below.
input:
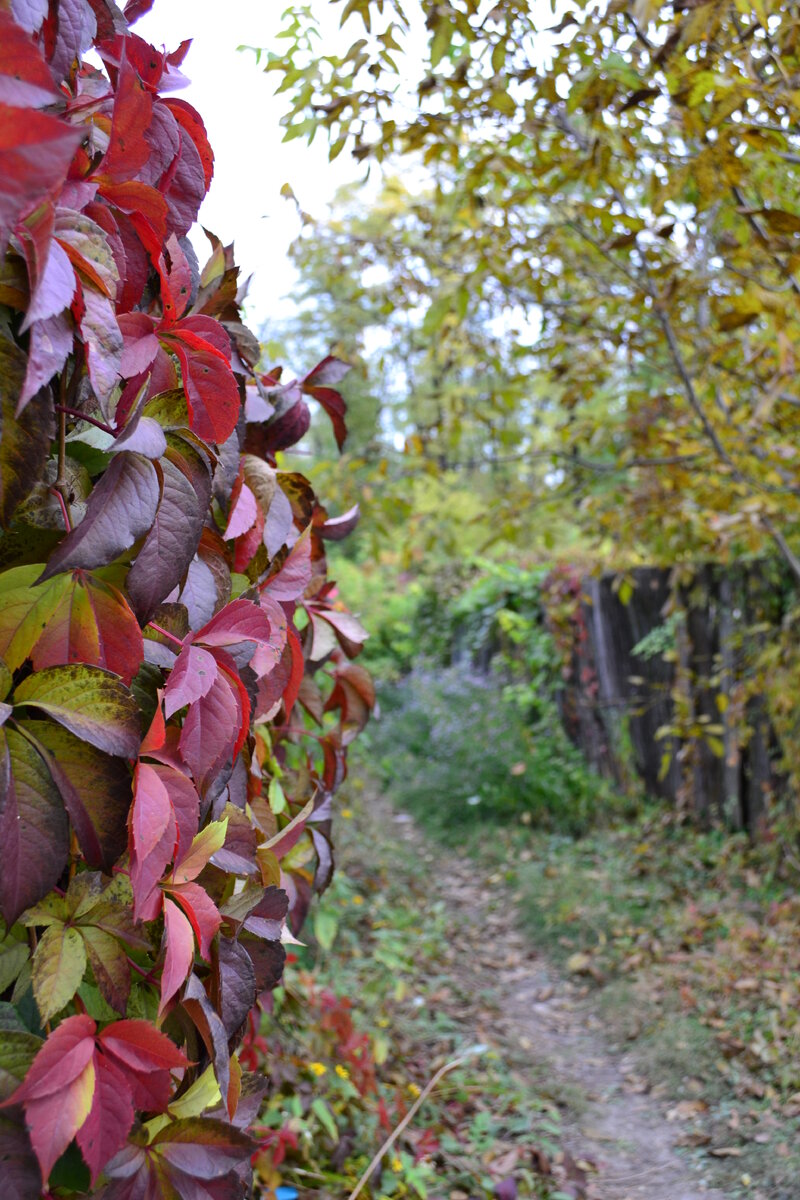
(621, 1137)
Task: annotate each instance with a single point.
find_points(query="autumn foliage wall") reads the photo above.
(176, 684)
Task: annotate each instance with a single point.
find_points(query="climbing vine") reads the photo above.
(177, 688)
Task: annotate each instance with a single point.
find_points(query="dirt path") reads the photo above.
(620, 1144)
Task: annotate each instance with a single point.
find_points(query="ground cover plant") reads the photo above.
(168, 633)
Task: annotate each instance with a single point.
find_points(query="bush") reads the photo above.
(458, 753)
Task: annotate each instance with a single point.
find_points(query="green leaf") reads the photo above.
(326, 926)
(90, 702)
(24, 441)
(58, 967)
(18, 1048)
(14, 953)
(325, 1118)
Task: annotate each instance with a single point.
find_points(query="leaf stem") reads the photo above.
(146, 975)
(64, 409)
(165, 633)
(55, 490)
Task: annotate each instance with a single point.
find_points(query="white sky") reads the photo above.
(235, 99)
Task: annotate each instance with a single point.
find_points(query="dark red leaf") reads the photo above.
(337, 528)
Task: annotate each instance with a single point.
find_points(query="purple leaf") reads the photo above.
(50, 344)
(279, 522)
(337, 528)
(55, 288)
(120, 509)
(146, 437)
(103, 340)
(237, 980)
(29, 13)
(22, 1179)
(327, 373)
(243, 514)
(170, 545)
(33, 827)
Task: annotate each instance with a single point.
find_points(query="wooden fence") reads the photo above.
(685, 709)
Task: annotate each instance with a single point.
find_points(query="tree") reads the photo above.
(627, 178)
(176, 686)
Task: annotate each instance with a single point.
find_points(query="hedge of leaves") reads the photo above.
(167, 756)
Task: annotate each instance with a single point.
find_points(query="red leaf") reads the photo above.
(191, 678)
(298, 669)
(35, 152)
(146, 1058)
(212, 393)
(192, 123)
(210, 730)
(329, 371)
(91, 623)
(58, 1088)
(139, 343)
(202, 912)
(106, 1128)
(179, 956)
(25, 79)
(239, 621)
(153, 832)
(128, 149)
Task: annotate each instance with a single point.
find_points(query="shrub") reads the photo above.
(457, 753)
(164, 607)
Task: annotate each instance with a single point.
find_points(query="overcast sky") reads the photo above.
(235, 99)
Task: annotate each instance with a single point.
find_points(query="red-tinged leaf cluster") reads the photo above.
(177, 690)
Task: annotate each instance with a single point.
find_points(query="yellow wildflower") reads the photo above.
(396, 1164)
(342, 1072)
(413, 1089)
(358, 899)
(317, 1068)
(347, 813)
